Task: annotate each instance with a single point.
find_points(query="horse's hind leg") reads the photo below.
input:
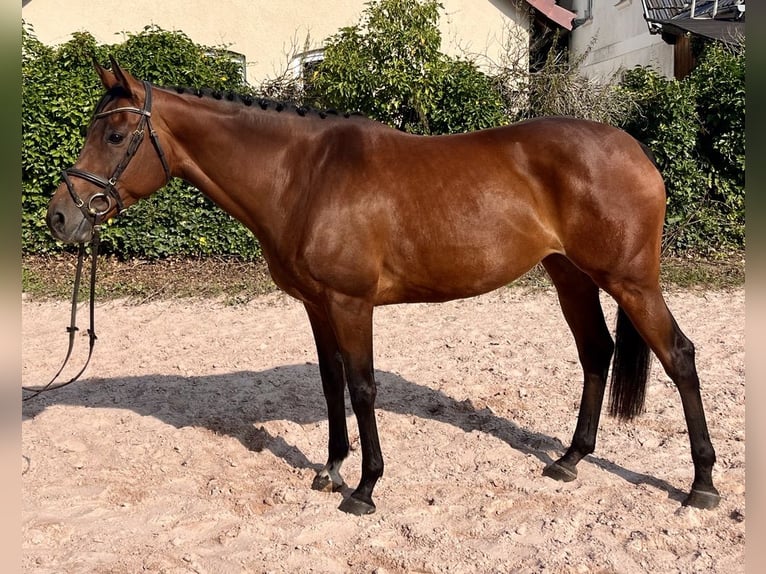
(333, 385)
(651, 317)
(579, 299)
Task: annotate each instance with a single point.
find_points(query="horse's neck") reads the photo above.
(240, 158)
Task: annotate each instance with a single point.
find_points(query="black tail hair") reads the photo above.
(630, 370)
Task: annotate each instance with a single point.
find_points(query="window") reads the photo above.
(234, 57)
(303, 65)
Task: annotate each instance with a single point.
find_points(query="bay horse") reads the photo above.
(352, 214)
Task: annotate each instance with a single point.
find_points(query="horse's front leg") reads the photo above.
(333, 384)
(351, 320)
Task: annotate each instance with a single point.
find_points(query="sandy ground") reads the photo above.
(193, 441)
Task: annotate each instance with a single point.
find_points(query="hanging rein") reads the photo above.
(90, 209)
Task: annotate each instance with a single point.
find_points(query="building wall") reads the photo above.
(267, 32)
(622, 39)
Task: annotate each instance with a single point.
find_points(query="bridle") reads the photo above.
(90, 211)
(110, 193)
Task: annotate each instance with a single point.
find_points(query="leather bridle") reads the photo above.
(90, 210)
(110, 193)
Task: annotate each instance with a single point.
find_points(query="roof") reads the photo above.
(661, 10)
(717, 19)
(554, 12)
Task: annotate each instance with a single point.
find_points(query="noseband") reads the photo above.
(110, 193)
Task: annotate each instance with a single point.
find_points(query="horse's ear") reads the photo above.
(125, 79)
(116, 77)
(108, 79)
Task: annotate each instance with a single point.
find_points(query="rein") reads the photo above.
(90, 210)
(72, 329)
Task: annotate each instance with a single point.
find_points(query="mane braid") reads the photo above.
(264, 103)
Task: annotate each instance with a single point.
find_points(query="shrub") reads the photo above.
(389, 67)
(695, 127)
(540, 77)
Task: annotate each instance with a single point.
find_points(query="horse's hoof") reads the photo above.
(326, 484)
(558, 471)
(356, 507)
(702, 499)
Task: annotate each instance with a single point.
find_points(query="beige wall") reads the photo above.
(622, 39)
(265, 31)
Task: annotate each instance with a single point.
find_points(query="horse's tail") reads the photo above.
(630, 370)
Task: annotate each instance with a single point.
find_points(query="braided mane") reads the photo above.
(263, 103)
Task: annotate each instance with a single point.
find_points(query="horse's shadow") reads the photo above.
(234, 404)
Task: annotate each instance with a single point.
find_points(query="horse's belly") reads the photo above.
(456, 273)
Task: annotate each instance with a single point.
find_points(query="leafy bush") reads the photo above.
(695, 127)
(389, 67)
(59, 91)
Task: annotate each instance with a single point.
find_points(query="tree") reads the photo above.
(389, 67)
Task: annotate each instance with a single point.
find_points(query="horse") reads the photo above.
(352, 214)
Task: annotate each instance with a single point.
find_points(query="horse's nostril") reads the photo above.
(56, 220)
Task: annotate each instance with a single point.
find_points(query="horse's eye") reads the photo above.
(115, 138)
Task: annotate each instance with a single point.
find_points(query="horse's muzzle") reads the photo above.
(68, 224)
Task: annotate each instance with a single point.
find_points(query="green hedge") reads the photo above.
(59, 91)
(696, 129)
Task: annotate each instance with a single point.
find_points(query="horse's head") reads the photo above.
(121, 161)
